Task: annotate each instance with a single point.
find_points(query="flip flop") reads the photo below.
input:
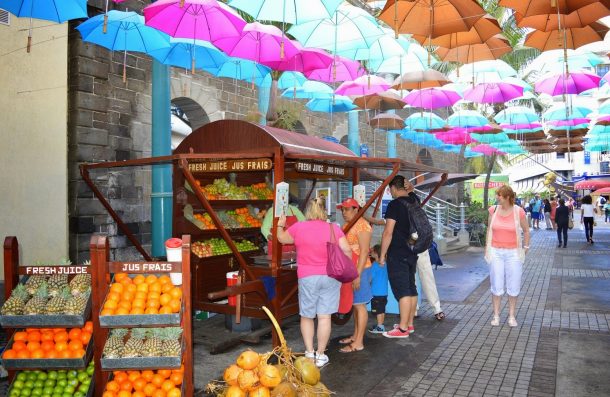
(440, 316)
(346, 341)
(350, 349)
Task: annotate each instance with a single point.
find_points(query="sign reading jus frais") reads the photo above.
(232, 165)
(316, 168)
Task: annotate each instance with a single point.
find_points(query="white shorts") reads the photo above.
(318, 295)
(505, 269)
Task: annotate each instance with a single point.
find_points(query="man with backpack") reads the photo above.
(405, 236)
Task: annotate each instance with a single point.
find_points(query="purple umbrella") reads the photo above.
(342, 69)
(572, 83)
(305, 60)
(493, 92)
(432, 98)
(363, 85)
(206, 20)
(454, 137)
(260, 43)
(486, 150)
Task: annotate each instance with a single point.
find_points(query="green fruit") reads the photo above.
(62, 383)
(69, 389)
(37, 391)
(90, 370)
(32, 375)
(73, 382)
(15, 393)
(72, 374)
(49, 383)
(83, 388)
(25, 392)
(43, 376)
(82, 376)
(28, 384)
(22, 376)
(79, 394)
(48, 389)
(39, 383)
(18, 384)
(52, 374)
(67, 395)
(86, 382)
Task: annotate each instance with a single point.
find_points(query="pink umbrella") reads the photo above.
(264, 44)
(305, 60)
(493, 92)
(568, 123)
(454, 137)
(206, 20)
(525, 126)
(363, 85)
(342, 69)
(432, 98)
(486, 150)
(572, 83)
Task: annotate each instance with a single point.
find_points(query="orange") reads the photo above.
(108, 394)
(113, 296)
(141, 295)
(38, 353)
(47, 345)
(157, 380)
(149, 389)
(176, 292)
(61, 346)
(107, 312)
(75, 344)
(140, 303)
(136, 310)
(126, 385)
(34, 336)
(31, 346)
(139, 383)
(175, 305)
(124, 393)
(151, 279)
(121, 311)
(9, 354)
(112, 304)
(165, 310)
(126, 281)
(154, 287)
(139, 279)
(164, 299)
(88, 326)
(133, 375)
(47, 336)
(153, 295)
(165, 279)
(176, 378)
(148, 375)
(165, 373)
(131, 288)
(21, 336)
(19, 345)
(124, 305)
(50, 354)
(167, 385)
(116, 287)
(120, 376)
(142, 287)
(61, 337)
(151, 310)
(175, 392)
(76, 353)
(58, 330)
(127, 296)
(159, 393)
(85, 337)
(138, 394)
(65, 354)
(120, 276)
(153, 303)
(23, 353)
(74, 333)
(165, 288)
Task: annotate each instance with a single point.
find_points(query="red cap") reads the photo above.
(348, 202)
(173, 243)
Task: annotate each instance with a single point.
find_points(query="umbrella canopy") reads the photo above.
(525, 128)
(564, 133)
(603, 190)
(260, 43)
(530, 136)
(340, 69)
(191, 54)
(516, 115)
(570, 83)
(431, 18)
(486, 149)
(579, 123)
(432, 98)
(591, 184)
(363, 85)
(207, 20)
(467, 118)
(563, 112)
(490, 138)
(554, 61)
(243, 69)
(454, 137)
(493, 92)
(543, 16)
(380, 101)
(416, 58)
(49, 10)
(420, 79)
(424, 121)
(309, 90)
(483, 29)
(450, 180)
(335, 104)
(306, 59)
(288, 11)
(574, 37)
(500, 68)
(385, 47)
(492, 48)
(387, 121)
(290, 80)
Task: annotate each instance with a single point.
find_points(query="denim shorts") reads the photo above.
(401, 273)
(318, 295)
(363, 295)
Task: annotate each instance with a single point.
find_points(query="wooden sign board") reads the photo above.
(243, 165)
(145, 267)
(50, 270)
(317, 168)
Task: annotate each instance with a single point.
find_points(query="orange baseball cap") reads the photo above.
(348, 202)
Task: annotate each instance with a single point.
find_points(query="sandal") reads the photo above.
(351, 349)
(346, 341)
(440, 316)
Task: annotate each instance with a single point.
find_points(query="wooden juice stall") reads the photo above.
(229, 167)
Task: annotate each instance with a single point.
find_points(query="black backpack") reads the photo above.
(419, 225)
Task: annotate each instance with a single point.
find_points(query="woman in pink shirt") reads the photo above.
(318, 293)
(505, 251)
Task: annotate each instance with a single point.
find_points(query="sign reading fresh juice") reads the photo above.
(477, 187)
(231, 165)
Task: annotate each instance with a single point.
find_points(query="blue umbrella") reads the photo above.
(291, 80)
(424, 121)
(598, 130)
(287, 11)
(604, 108)
(385, 47)
(243, 69)
(490, 138)
(467, 118)
(309, 90)
(49, 10)
(125, 31)
(422, 138)
(414, 59)
(187, 53)
(516, 115)
(563, 112)
(335, 104)
(468, 153)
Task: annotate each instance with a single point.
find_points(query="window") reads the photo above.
(561, 155)
(5, 17)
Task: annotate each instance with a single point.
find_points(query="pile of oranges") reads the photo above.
(45, 343)
(160, 383)
(142, 295)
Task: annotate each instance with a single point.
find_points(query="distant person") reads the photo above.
(318, 293)
(536, 208)
(607, 211)
(587, 217)
(379, 289)
(293, 216)
(562, 218)
(601, 200)
(547, 214)
(553, 209)
(503, 252)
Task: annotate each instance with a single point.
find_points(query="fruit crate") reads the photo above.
(48, 363)
(141, 363)
(11, 392)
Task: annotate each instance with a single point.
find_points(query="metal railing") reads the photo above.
(447, 217)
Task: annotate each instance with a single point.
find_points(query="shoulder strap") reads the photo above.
(332, 233)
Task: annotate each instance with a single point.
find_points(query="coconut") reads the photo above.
(247, 380)
(284, 389)
(248, 359)
(260, 391)
(307, 370)
(269, 375)
(231, 374)
(234, 391)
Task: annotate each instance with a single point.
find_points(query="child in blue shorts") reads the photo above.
(379, 287)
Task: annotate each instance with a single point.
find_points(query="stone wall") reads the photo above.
(110, 120)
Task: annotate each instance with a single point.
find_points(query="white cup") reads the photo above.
(174, 254)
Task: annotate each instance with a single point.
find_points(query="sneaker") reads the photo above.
(496, 321)
(321, 360)
(411, 329)
(396, 333)
(512, 322)
(377, 329)
(311, 355)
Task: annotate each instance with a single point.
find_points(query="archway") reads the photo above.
(187, 115)
(423, 157)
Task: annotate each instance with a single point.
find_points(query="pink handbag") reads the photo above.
(339, 266)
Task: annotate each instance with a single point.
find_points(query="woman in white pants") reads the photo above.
(505, 251)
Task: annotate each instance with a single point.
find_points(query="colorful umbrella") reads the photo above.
(293, 12)
(498, 67)
(290, 80)
(454, 137)
(424, 121)
(516, 115)
(564, 112)
(573, 38)
(554, 61)
(490, 138)
(242, 69)
(363, 85)
(492, 48)
(493, 92)
(387, 121)
(483, 29)
(380, 101)
(341, 69)
(467, 118)
(544, 16)
(335, 104)
(420, 79)
(415, 59)
(468, 153)
(307, 59)
(309, 89)
(191, 54)
(207, 20)
(432, 98)
(487, 150)
(572, 83)
(578, 122)
(384, 47)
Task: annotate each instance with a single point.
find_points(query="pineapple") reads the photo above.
(37, 304)
(16, 303)
(154, 344)
(58, 303)
(77, 303)
(171, 342)
(133, 347)
(57, 282)
(34, 282)
(80, 283)
(115, 343)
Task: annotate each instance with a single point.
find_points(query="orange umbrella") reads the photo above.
(421, 79)
(380, 101)
(529, 8)
(431, 18)
(483, 29)
(572, 37)
(576, 19)
(387, 121)
(493, 48)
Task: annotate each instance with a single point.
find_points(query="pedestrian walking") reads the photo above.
(379, 289)
(536, 208)
(607, 212)
(562, 218)
(553, 209)
(318, 293)
(505, 252)
(359, 240)
(587, 217)
(601, 200)
(547, 214)
(400, 259)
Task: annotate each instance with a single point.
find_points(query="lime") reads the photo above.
(32, 375)
(49, 383)
(18, 384)
(52, 374)
(28, 384)
(14, 393)
(79, 394)
(39, 383)
(25, 392)
(43, 376)
(37, 391)
(22, 376)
